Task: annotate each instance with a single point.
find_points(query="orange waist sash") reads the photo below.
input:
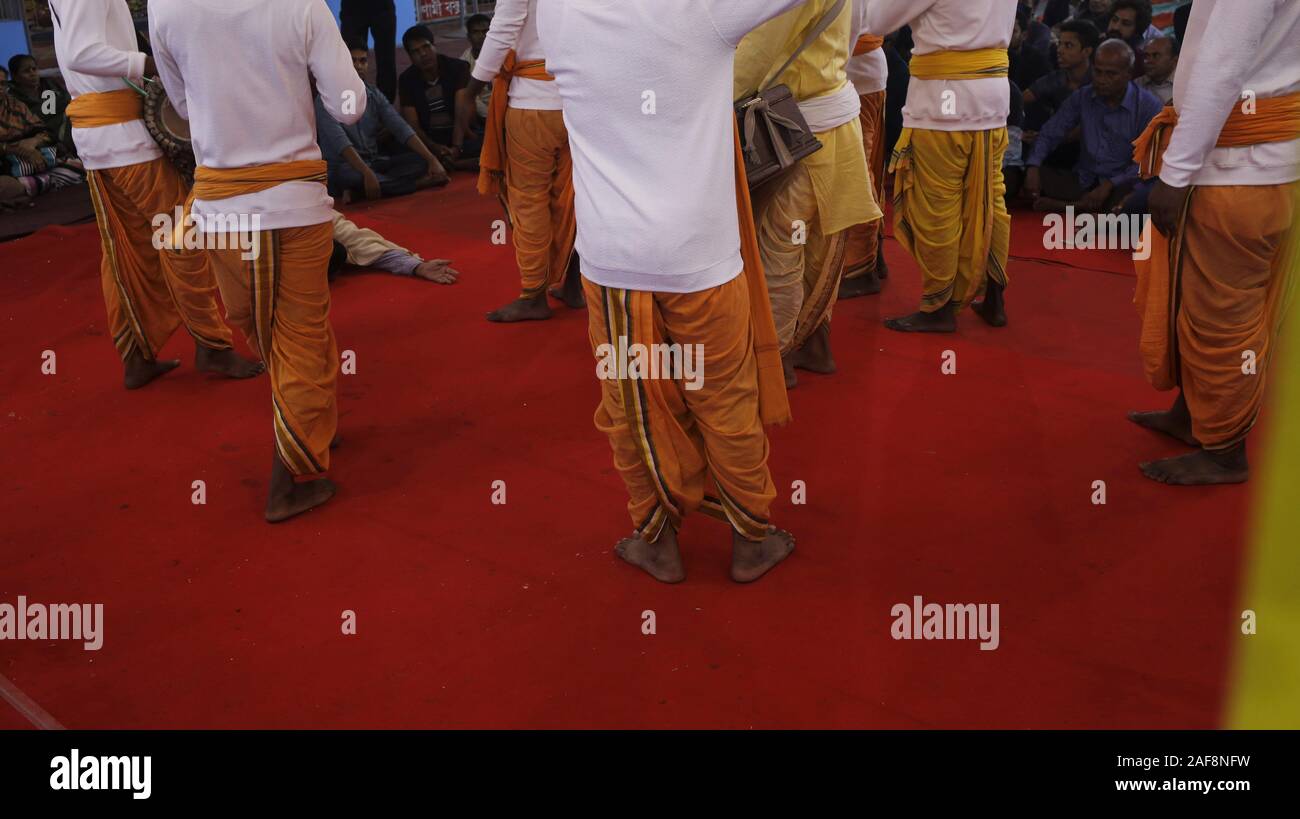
(105, 108)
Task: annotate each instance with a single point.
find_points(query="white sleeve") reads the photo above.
(733, 19)
(341, 90)
(1216, 84)
(82, 26)
(168, 71)
(887, 16)
(507, 21)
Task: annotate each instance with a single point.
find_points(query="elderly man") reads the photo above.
(1161, 63)
(1111, 113)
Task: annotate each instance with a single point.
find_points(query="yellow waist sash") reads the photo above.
(492, 158)
(960, 65)
(105, 108)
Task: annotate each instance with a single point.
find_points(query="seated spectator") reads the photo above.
(476, 29)
(29, 154)
(1161, 62)
(363, 247)
(1076, 43)
(1112, 112)
(1027, 64)
(1129, 21)
(357, 164)
(427, 93)
(46, 99)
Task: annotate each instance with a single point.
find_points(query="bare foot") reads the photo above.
(439, 271)
(141, 370)
(815, 354)
(940, 321)
(1201, 468)
(750, 559)
(1175, 422)
(225, 362)
(993, 308)
(534, 309)
(287, 498)
(661, 560)
(865, 285)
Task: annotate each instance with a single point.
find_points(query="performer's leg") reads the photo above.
(383, 24)
(531, 166)
(863, 241)
(190, 281)
(653, 544)
(929, 211)
(289, 305)
(725, 419)
(824, 263)
(564, 224)
(1239, 252)
(785, 220)
(993, 307)
(141, 314)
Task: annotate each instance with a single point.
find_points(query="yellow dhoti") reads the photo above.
(950, 213)
(949, 208)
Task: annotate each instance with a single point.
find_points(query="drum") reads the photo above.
(169, 130)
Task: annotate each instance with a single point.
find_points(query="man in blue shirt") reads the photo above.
(357, 164)
(1111, 113)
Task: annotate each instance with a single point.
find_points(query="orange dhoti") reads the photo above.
(696, 441)
(680, 449)
(280, 299)
(539, 194)
(526, 162)
(1213, 296)
(864, 240)
(1239, 251)
(148, 291)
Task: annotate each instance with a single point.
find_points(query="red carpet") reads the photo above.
(966, 488)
